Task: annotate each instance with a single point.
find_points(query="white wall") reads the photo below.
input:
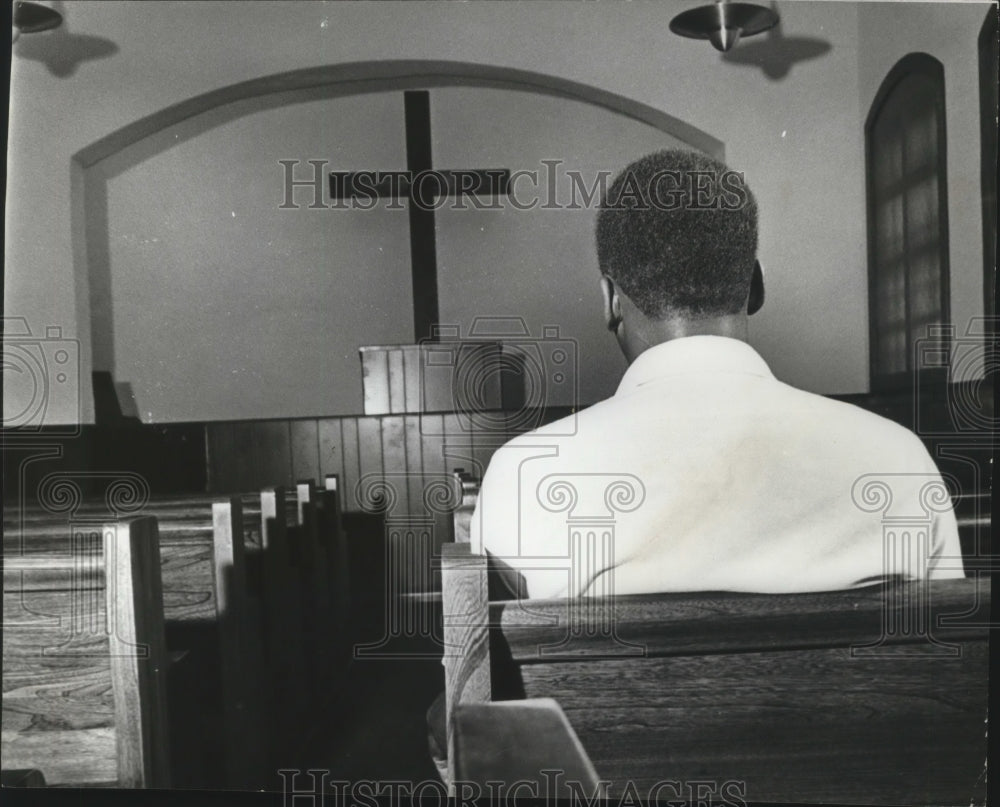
(799, 140)
(288, 295)
(537, 265)
(226, 305)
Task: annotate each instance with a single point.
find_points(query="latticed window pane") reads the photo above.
(922, 215)
(890, 244)
(889, 168)
(908, 241)
(920, 135)
(891, 305)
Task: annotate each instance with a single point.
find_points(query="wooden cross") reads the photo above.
(421, 186)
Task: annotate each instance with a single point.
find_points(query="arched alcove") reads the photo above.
(160, 137)
(381, 76)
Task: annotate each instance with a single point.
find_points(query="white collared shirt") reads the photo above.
(703, 472)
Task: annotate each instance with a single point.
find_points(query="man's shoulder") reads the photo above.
(564, 437)
(870, 431)
(799, 410)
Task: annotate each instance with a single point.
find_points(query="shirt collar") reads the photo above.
(693, 355)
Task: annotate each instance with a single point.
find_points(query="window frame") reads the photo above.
(926, 66)
(988, 108)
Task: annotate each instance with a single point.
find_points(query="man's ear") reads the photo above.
(756, 297)
(612, 304)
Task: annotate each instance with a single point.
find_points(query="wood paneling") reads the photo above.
(394, 462)
(304, 450)
(411, 378)
(375, 365)
(253, 455)
(370, 460)
(432, 444)
(397, 382)
(434, 377)
(222, 450)
(248, 456)
(414, 459)
(352, 464)
(244, 470)
(331, 447)
(272, 453)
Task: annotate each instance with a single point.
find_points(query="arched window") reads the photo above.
(907, 218)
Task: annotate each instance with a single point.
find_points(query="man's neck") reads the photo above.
(642, 335)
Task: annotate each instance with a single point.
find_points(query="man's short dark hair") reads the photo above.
(677, 231)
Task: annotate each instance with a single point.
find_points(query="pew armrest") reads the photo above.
(514, 741)
(462, 515)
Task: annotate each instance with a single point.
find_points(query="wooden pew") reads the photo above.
(312, 549)
(214, 700)
(340, 565)
(278, 611)
(333, 540)
(285, 589)
(313, 544)
(85, 662)
(874, 695)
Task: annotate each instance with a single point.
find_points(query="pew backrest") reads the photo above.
(876, 694)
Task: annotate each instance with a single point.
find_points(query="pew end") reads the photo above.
(515, 741)
(462, 514)
(85, 700)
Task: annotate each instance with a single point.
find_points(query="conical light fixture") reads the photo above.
(722, 23)
(30, 18)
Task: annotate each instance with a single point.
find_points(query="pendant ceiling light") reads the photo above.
(724, 24)
(30, 18)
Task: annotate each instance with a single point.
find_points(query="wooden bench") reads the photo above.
(201, 551)
(319, 545)
(874, 695)
(309, 652)
(338, 554)
(273, 676)
(85, 662)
